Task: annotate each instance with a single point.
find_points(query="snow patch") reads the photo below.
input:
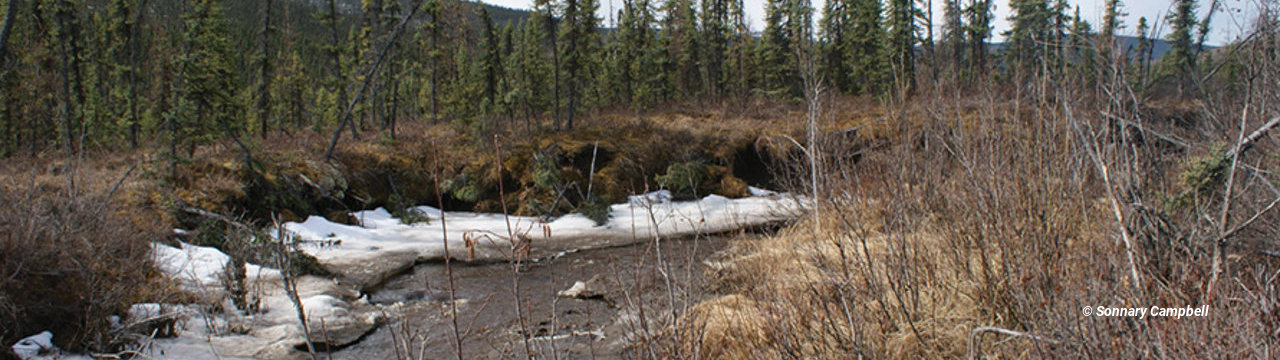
(641, 217)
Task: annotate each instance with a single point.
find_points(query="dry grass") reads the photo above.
(974, 212)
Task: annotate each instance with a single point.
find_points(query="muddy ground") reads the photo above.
(628, 301)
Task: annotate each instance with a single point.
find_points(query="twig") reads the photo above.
(973, 337)
(291, 286)
(448, 266)
(217, 216)
(515, 266)
(1218, 244)
(1167, 138)
(1246, 223)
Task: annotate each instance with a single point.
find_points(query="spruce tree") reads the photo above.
(977, 32)
(530, 70)
(1111, 25)
(579, 49)
(1032, 25)
(208, 107)
(717, 33)
(867, 48)
(679, 31)
(637, 61)
(788, 28)
(739, 65)
(837, 18)
(903, 37)
(953, 41)
(1180, 61)
(492, 59)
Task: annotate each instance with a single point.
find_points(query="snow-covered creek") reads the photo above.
(352, 304)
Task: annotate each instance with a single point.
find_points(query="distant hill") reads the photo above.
(498, 13)
(1128, 43)
(247, 13)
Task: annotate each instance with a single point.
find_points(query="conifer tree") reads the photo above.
(867, 48)
(492, 59)
(903, 37)
(636, 59)
(977, 32)
(739, 65)
(1032, 23)
(1143, 52)
(529, 80)
(787, 26)
(1180, 61)
(953, 34)
(837, 18)
(579, 48)
(716, 38)
(1111, 22)
(206, 104)
(679, 31)
(265, 69)
(771, 52)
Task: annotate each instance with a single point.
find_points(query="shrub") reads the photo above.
(68, 263)
(683, 178)
(596, 209)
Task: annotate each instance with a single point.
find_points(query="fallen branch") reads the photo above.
(1256, 135)
(217, 216)
(1115, 200)
(115, 187)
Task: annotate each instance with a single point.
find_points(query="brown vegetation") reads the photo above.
(70, 259)
(981, 226)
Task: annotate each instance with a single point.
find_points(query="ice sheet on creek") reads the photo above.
(383, 243)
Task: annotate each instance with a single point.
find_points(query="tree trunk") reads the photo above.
(264, 88)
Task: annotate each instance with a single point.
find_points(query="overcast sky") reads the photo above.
(1233, 17)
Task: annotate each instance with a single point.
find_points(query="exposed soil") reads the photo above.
(634, 301)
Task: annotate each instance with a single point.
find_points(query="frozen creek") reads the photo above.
(389, 297)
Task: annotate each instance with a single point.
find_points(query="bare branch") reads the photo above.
(974, 334)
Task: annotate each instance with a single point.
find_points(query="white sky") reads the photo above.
(1233, 18)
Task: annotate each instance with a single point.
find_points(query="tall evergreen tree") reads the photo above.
(837, 18)
(739, 65)
(787, 29)
(636, 59)
(579, 48)
(717, 33)
(680, 33)
(903, 37)
(1032, 24)
(953, 41)
(492, 59)
(265, 69)
(206, 105)
(1111, 25)
(977, 32)
(1180, 61)
(530, 70)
